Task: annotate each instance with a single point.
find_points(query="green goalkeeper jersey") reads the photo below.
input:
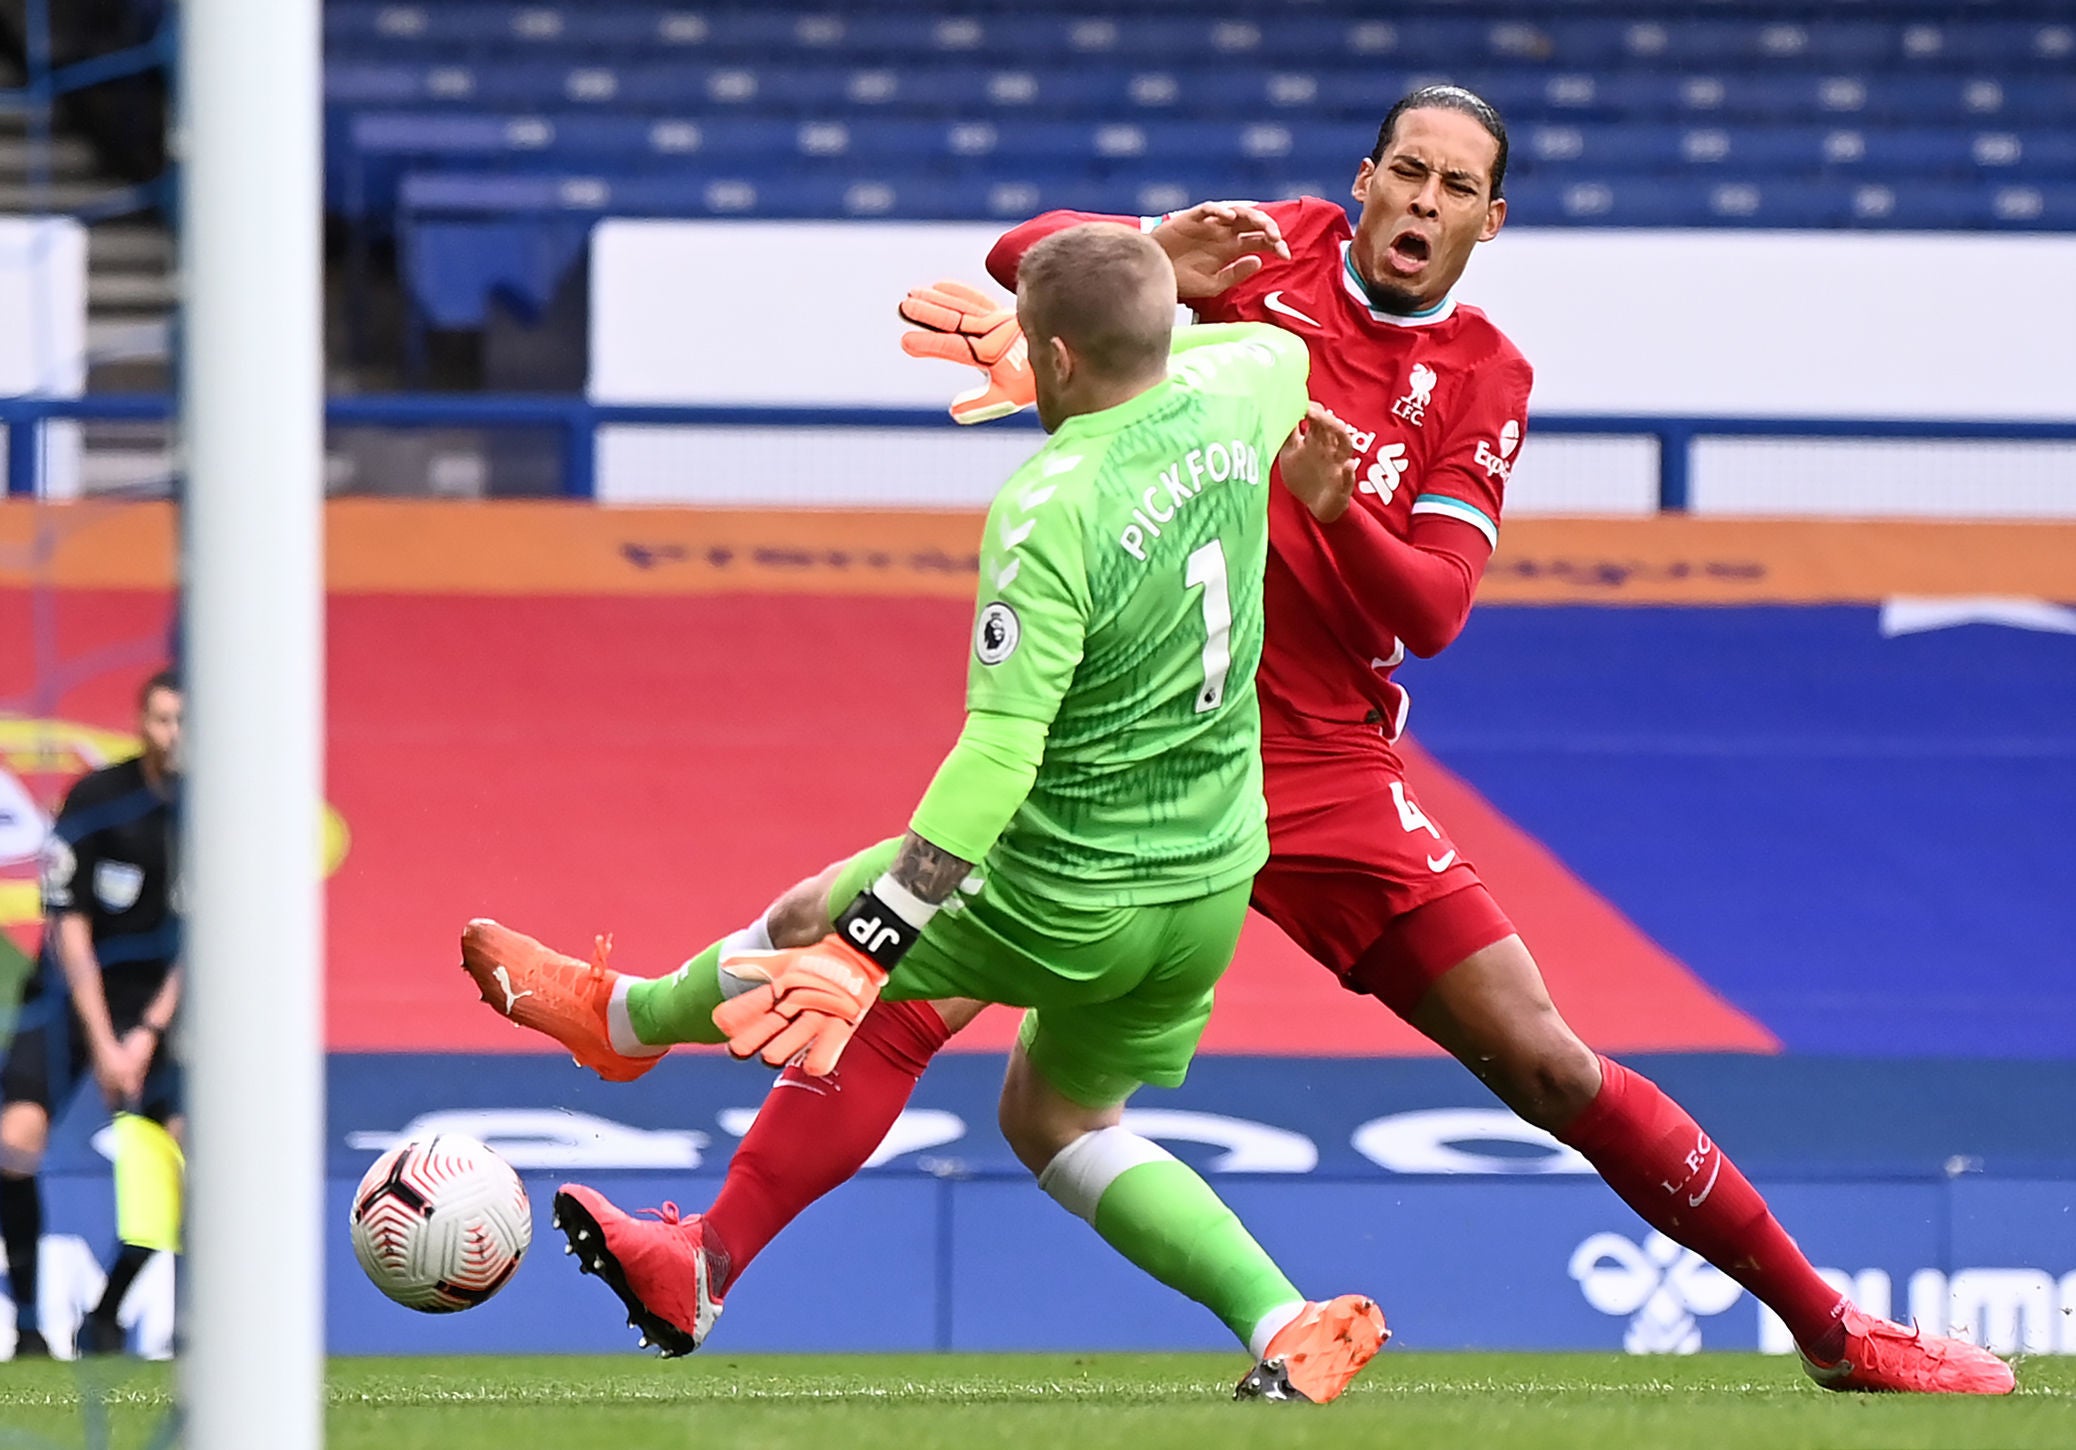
(1120, 605)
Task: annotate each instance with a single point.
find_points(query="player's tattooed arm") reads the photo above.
(931, 872)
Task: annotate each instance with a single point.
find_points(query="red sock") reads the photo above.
(813, 1133)
(1673, 1174)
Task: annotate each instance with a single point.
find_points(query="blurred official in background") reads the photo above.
(101, 1001)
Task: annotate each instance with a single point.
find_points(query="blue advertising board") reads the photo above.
(1389, 1177)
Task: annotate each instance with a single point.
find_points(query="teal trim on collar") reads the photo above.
(1357, 289)
(1348, 261)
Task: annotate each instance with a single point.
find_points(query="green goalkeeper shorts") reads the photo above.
(1117, 995)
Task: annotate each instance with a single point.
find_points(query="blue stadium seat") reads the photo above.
(1587, 42)
(1789, 205)
(2034, 208)
(1767, 152)
(1652, 201)
(1357, 91)
(1605, 201)
(1730, 43)
(2037, 100)
(1917, 152)
(495, 127)
(1595, 147)
(377, 83)
(443, 28)
(2047, 154)
(1955, 206)
(2006, 44)
(1931, 206)
(1583, 95)
(455, 268)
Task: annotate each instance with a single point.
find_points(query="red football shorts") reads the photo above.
(1359, 876)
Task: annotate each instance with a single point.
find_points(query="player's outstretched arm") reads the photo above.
(960, 324)
(1007, 255)
(1218, 244)
(1213, 244)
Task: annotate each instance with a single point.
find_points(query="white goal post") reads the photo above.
(247, 139)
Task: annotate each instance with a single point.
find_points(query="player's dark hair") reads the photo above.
(1106, 290)
(1450, 98)
(163, 680)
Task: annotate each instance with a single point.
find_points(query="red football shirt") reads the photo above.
(1438, 402)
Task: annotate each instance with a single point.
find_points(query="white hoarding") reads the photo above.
(1660, 324)
(43, 272)
(1772, 324)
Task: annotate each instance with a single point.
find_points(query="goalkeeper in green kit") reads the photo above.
(1086, 849)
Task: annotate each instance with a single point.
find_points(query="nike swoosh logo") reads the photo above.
(1709, 1187)
(823, 1086)
(1275, 303)
(1439, 864)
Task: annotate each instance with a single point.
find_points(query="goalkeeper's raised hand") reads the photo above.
(960, 324)
(806, 1003)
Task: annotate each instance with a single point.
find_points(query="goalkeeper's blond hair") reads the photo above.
(1107, 291)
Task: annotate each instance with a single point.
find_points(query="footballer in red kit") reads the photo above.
(1435, 401)
(1420, 403)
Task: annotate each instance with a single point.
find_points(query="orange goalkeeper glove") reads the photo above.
(806, 1004)
(959, 324)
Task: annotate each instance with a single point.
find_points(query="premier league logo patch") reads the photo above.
(995, 633)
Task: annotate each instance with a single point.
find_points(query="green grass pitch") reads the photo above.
(1081, 1402)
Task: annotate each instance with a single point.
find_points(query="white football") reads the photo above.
(441, 1223)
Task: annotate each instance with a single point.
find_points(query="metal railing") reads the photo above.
(44, 81)
(577, 420)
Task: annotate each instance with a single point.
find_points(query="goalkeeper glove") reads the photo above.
(959, 324)
(806, 1004)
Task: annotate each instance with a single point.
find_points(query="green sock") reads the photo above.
(679, 1007)
(1158, 1213)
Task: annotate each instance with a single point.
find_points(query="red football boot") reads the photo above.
(1884, 1356)
(664, 1269)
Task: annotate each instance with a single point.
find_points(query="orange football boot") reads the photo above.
(1880, 1355)
(1315, 1355)
(543, 989)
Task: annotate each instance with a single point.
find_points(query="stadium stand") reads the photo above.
(488, 135)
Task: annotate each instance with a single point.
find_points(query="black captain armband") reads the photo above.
(884, 920)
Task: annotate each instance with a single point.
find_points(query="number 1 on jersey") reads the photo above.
(1207, 567)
